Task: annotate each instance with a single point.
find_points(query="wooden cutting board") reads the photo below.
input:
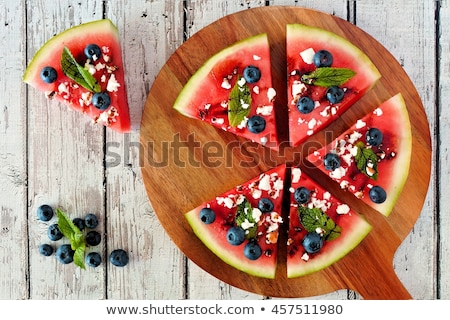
(185, 161)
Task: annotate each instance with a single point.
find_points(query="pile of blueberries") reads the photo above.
(64, 252)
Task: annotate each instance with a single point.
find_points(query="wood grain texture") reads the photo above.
(160, 124)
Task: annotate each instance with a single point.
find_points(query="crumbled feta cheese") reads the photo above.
(298, 88)
(264, 183)
(256, 214)
(256, 58)
(112, 85)
(344, 184)
(378, 112)
(327, 195)
(62, 88)
(343, 209)
(226, 84)
(276, 217)
(256, 194)
(308, 55)
(247, 224)
(263, 140)
(312, 123)
(310, 132)
(241, 82)
(338, 173)
(264, 110)
(225, 201)
(354, 137)
(99, 66)
(218, 120)
(296, 174)
(305, 257)
(256, 89)
(207, 106)
(360, 124)
(271, 94)
(89, 67)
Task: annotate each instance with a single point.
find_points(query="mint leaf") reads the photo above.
(77, 73)
(244, 214)
(239, 103)
(328, 76)
(366, 161)
(313, 218)
(76, 237)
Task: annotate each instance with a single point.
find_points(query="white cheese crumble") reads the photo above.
(256, 89)
(263, 140)
(226, 84)
(90, 67)
(264, 110)
(338, 173)
(305, 257)
(342, 209)
(296, 174)
(112, 85)
(247, 224)
(312, 123)
(225, 201)
(241, 82)
(308, 55)
(360, 124)
(378, 112)
(271, 94)
(298, 88)
(264, 183)
(256, 57)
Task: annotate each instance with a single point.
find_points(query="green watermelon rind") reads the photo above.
(211, 241)
(69, 34)
(190, 89)
(360, 229)
(317, 33)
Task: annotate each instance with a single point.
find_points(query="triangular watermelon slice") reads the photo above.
(326, 75)
(99, 89)
(371, 159)
(233, 91)
(241, 226)
(322, 229)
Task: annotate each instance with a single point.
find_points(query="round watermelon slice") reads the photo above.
(226, 95)
(374, 171)
(316, 213)
(92, 83)
(253, 208)
(346, 78)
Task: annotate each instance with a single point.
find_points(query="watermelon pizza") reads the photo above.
(371, 159)
(326, 75)
(322, 229)
(233, 91)
(83, 68)
(241, 226)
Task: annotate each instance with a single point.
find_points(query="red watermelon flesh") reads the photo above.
(208, 93)
(107, 70)
(339, 237)
(390, 167)
(301, 44)
(264, 231)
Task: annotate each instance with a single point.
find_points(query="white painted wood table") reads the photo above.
(53, 156)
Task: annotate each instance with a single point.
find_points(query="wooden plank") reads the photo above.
(200, 14)
(149, 32)
(13, 175)
(65, 162)
(406, 29)
(443, 222)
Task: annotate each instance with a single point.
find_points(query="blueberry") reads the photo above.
(377, 194)
(119, 258)
(93, 238)
(305, 105)
(93, 259)
(302, 195)
(64, 254)
(252, 250)
(265, 205)
(91, 221)
(93, 52)
(46, 249)
(54, 233)
(374, 137)
(312, 242)
(323, 58)
(331, 161)
(79, 223)
(49, 74)
(256, 124)
(44, 212)
(207, 215)
(252, 74)
(101, 100)
(335, 94)
(235, 236)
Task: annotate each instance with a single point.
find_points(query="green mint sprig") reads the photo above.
(313, 218)
(239, 96)
(245, 212)
(78, 73)
(76, 237)
(328, 76)
(364, 157)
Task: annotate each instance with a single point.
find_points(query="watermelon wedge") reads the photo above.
(322, 229)
(233, 92)
(326, 75)
(82, 67)
(241, 226)
(371, 159)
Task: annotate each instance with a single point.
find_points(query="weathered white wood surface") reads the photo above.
(50, 155)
